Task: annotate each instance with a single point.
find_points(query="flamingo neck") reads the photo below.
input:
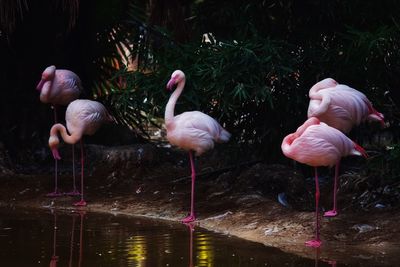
(326, 83)
(59, 128)
(45, 92)
(289, 139)
(314, 92)
(169, 110)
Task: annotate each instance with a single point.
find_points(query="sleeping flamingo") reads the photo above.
(83, 117)
(193, 131)
(317, 144)
(340, 107)
(59, 88)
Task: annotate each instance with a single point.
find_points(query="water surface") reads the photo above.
(55, 238)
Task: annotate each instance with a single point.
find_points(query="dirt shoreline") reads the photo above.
(354, 237)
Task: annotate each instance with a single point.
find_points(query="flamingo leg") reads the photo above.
(82, 202)
(56, 192)
(317, 241)
(333, 212)
(191, 217)
(74, 191)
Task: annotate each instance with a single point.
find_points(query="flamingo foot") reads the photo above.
(54, 194)
(73, 193)
(189, 219)
(81, 203)
(314, 243)
(330, 213)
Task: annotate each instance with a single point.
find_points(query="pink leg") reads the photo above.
(56, 192)
(82, 202)
(74, 191)
(333, 212)
(316, 242)
(191, 217)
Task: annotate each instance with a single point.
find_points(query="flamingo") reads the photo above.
(192, 131)
(59, 88)
(340, 107)
(317, 144)
(83, 117)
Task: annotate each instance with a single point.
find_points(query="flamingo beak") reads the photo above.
(40, 85)
(55, 153)
(171, 83)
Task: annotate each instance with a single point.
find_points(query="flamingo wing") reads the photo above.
(194, 130)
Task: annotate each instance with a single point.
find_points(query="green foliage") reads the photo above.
(254, 73)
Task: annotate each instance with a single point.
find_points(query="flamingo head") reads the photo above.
(176, 77)
(47, 75)
(374, 115)
(53, 144)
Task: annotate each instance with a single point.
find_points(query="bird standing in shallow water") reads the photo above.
(83, 117)
(340, 107)
(193, 131)
(317, 144)
(59, 88)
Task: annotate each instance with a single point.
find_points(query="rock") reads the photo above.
(271, 230)
(363, 228)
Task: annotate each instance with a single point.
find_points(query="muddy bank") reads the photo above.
(237, 199)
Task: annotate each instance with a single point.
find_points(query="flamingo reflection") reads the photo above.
(54, 257)
(317, 258)
(71, 254)
(191, 230)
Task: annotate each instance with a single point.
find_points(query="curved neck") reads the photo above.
(326, 83)
(169, 109)
(313, 93)
(70, 139)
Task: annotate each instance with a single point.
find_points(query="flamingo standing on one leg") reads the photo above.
(191, 131)
(340, 107)
(83, 117)
(59, 88)
(317, 144)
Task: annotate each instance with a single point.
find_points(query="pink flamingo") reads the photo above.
(59, 88)
(191, 131)
(317, 144)
(83, 117)
(340, 107)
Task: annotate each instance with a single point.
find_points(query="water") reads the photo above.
(40, 238)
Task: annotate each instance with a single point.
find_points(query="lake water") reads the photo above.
(66, 238)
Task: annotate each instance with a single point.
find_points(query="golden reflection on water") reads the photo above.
(137, 250)
(204, 250)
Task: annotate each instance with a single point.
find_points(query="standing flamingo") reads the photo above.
(193, 131)
(317, 144)
(340, 107)
(83, 117)
(59, 88)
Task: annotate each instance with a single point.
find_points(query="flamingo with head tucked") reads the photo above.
(59, 88)
(193, 131)
(340, 107)
(83, 117)
(317, 144)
